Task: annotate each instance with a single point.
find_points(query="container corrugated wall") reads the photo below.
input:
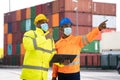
(104, 8)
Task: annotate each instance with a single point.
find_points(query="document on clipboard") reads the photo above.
(58, 58)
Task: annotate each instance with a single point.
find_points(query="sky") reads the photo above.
(20, 4)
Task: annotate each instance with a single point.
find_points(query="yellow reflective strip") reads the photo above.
(35, 67)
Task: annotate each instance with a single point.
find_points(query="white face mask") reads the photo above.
(44, 26)
(67, 31)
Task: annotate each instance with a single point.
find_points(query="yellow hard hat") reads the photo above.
(40, 17)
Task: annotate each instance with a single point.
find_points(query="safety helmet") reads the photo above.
(65, 21)
(40, 17)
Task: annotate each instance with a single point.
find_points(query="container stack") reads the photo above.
(100, 13)
(90, 14)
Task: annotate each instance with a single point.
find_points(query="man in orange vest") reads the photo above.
(70, 44)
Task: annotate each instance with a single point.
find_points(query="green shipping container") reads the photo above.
(18, 49)
(55, 33)
(33, 12)
(33, 27)
(23, 25)
(93, 47)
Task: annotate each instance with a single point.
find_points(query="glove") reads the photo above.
(102, 25)
(53, 78)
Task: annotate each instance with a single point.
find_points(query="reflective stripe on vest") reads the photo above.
(85, 40)
(39, 48)
(35, 67)
(74, 62)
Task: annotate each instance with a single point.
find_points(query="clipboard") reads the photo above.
(58, 58)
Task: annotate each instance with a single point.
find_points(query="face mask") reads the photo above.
(67, 31)
(44, 26)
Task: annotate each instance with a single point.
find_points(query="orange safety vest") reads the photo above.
(73, 45)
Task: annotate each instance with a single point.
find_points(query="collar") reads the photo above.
(68, 38)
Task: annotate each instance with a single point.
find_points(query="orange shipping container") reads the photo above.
(28, 13)
(5, 28)
(9, 38)
(55, 19)
(18, 15)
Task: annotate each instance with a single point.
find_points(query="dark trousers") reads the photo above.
(71, 76)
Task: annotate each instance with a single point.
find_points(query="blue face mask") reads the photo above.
(44, 26)
(67, 31)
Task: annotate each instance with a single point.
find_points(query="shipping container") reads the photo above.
(83, 61)
(97, 19)
(70, 5)
(23, 26)
(89, 60)
(13, 49)
(27, 24)
(13, 16)
(49, 20)
(96, 60)
(5, 49)
(33, 12)
(5, 28)
(9, 27)
(7, 17)
(55, 7)
(23, 14)
(47, 8)
(9, 38)
(28, 13)
(55, 19)
(56, 33)
(110, 41)
(16, 27)
(38, 9)
(104, 61)
(18, 15)
(93, 47)
(9, 49)
(104, 8)
(113, 61)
